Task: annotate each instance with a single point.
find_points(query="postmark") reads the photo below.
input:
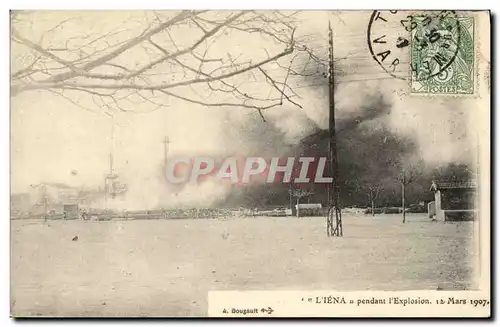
(442, 54)
(432, 50)
(388, 38)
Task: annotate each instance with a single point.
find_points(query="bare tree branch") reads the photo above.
(283, 94)
(410, 173)
(98, 65)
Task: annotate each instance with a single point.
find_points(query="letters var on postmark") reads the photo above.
(442, 54)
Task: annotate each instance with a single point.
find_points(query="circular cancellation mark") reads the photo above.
(424, 43)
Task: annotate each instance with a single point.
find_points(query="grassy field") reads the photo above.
(166, 267)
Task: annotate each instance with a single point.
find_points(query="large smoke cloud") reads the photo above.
(376, 119)
(380, 130)
(375, 127)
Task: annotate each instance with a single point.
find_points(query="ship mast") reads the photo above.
(109, 181)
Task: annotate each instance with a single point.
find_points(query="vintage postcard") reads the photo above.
(247, 164)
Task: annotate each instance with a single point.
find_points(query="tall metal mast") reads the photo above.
(334, 217)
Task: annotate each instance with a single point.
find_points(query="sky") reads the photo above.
(56, 140)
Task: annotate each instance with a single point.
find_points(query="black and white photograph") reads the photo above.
(161, 156)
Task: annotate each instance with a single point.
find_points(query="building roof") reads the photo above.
(447, 184)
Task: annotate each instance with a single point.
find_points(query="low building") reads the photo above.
(454, 200)
(70, 211)
(309, 209)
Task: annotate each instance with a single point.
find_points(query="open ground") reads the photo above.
(166, 267)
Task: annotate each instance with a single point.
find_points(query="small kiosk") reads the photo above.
(454, 200)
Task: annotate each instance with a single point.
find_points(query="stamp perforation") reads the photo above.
(459, 78)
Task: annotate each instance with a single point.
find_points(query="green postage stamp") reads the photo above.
(442, 54)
